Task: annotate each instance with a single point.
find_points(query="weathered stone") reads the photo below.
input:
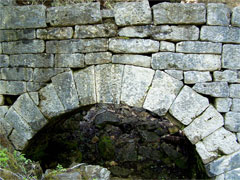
(167, 46)
(108, 83)
(133, 46)
(176, 13)
(7, 2)
(82, 13)
(0, 48)
(24, 46)
(204, 154)
(215, 89)
(232, 121)
(85, 83)
(223, 104)
(5, 127)
(69, 60)
(236, 16)
(188, 105)
(136, 83)
(235, 90)
(18, 140)
(178, 74)
(3, 111)
(96, 172)
(175, 33)
(230, 56)
(238, 136)
(34, 86)
(94, 31)
(65, 87)
(137, 60)
(4, 61)
(208, 122)
(163, 91)
(180, 61)
(132, 13)
(192, 77)
(233, 174)
(14, 35)
(17, 74)
(107, 13)
(227, 76)
(50, 104)
(199, 47)
(12, 87)
(218, 14)
(35, 97)
(220, 34)
(98, 58)
(135, 31)
(55, 33)
(235, 105)
(1, 101)
(23, 17)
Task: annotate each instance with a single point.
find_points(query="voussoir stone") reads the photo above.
(55, 33)
(235, 105)
(135, 31)
(15, 35)
(12, 87)
(17, 74)
(163, 91)
(69, 60)
(18, 140)
(236, 16)
(98, 58)
(227, 76)
(192, 77)
(233, 174)
(4, 61)
(188, 105)
(205, 155)
(223, 104)
(230, 56)
(177, 13)
(5, 127)
(35, 97)
(232, 121)
(82, 13)
(235, 90)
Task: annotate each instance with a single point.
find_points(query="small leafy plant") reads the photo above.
(3, 158)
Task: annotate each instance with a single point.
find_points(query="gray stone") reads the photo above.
(35, 97)
(232, 121)
(66, 90)
(132, 13)
(208, 122)
(233, 174)
(5, 127)
(167, 46)
(227, 76)
(108, 83)
(24, 46)
(175, 33)
(180, 61)
(7, 2)
(55, 33)
(85, 83)
(98, 58)
(18, 141)
(34, 86)
(238, 136)
(230, 56)
(178, 74)
(188, 105)
(14, 35)
(107, 13)
(235, 90)
(4, 61)
(218, 14)
(137, 60)
(135, 85)
(199, 47)
(12, 87)
(204, 154)
(17, 74)
(32, 60)
(96, 172)
(223, 104)
(236, 16)
(133, 46)
(94, 31)
(0, 48)
(223, 34)
(235, 105)
(1, 100)
(28, 110)
(82, 13)
(192, 77)
(3, 111)
(163, 91)
(135, 31)
(23, 17)
(215, 89)
(69, 60)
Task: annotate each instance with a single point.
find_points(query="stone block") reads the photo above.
(233, 174)
(142, 46)
(180, 61)
(178, 74)
(12, 87)
(3, 111)
(98, 58)
(204, 154)
(235, 90)
(35, 97)
(226, 76)
(15, 35)
(192, 77)
(82, 13)
(34, 86)
(235, 105)
(17, 74)
(0, 48)
(137, 60)
(162, 93)
(223, 104)
(55, 33)
(132, 13)
(135, 85)
(24, 46)
(7, 2)
(167, 46)
(1, 101)
(23, 17)
(107, 13)
(236, 16)
(69, 60)
(238, 136)
(176, 13)
(135, 31)
(214, 89)
(5, 127)
(232, 121)
(230, 56)
(18, 141)
(188, 105)
(4, 61)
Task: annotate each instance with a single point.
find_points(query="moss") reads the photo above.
(106, 148)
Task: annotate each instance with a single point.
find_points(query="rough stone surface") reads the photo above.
(18, 140)
(232, 121)
(178, 74)
(176, 13)
(44, 74)
(137, 60)
(175, 33)
(188, 105)
(82, 13)
(208, 122)
(7, 2)
(199, 47)
(133, 46)
(14, 35)
(136, 83)
(3, 111)
(55, 33)
(98, 58)
(69, 60)
(192, 77)
(230, 56)
(204, 154)
(135, 31)
(23, 17)
(5, 127)
(238, 136)
(180, 61)
(233, 174)
(35, 97)
(167, 46)
(215, 89)
(223, 104)
(34, 86)
(108, 83)
(4, 61)
(107, 13)
(17, 74)
(1, 100)
(132, 13)
(236, 16)
(235, 90)
(227, 76)
(163, 91)
(235, 105)
(12, 87)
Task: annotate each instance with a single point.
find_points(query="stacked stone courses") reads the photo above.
(172, 59)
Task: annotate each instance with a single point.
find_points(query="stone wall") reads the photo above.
(177, 59)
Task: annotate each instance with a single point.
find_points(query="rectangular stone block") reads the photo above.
(230, 56)
(17, 74)
(227, 76)
(178, 74)
(15, 35)
(3, 111)
(166, 46)
(98, 58)
(82, 13)
(235, 105)
(236, 16)
(192, 77)
(5, 127)
(18, 141)
(69, 60)
(23, 17)
(223, 104)
(135, 31)
(235, 90)
(7, 2)
(4, 61)
(204, 154)
(107, 13)
(232, 121)
(12, 87)
(55, 33)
